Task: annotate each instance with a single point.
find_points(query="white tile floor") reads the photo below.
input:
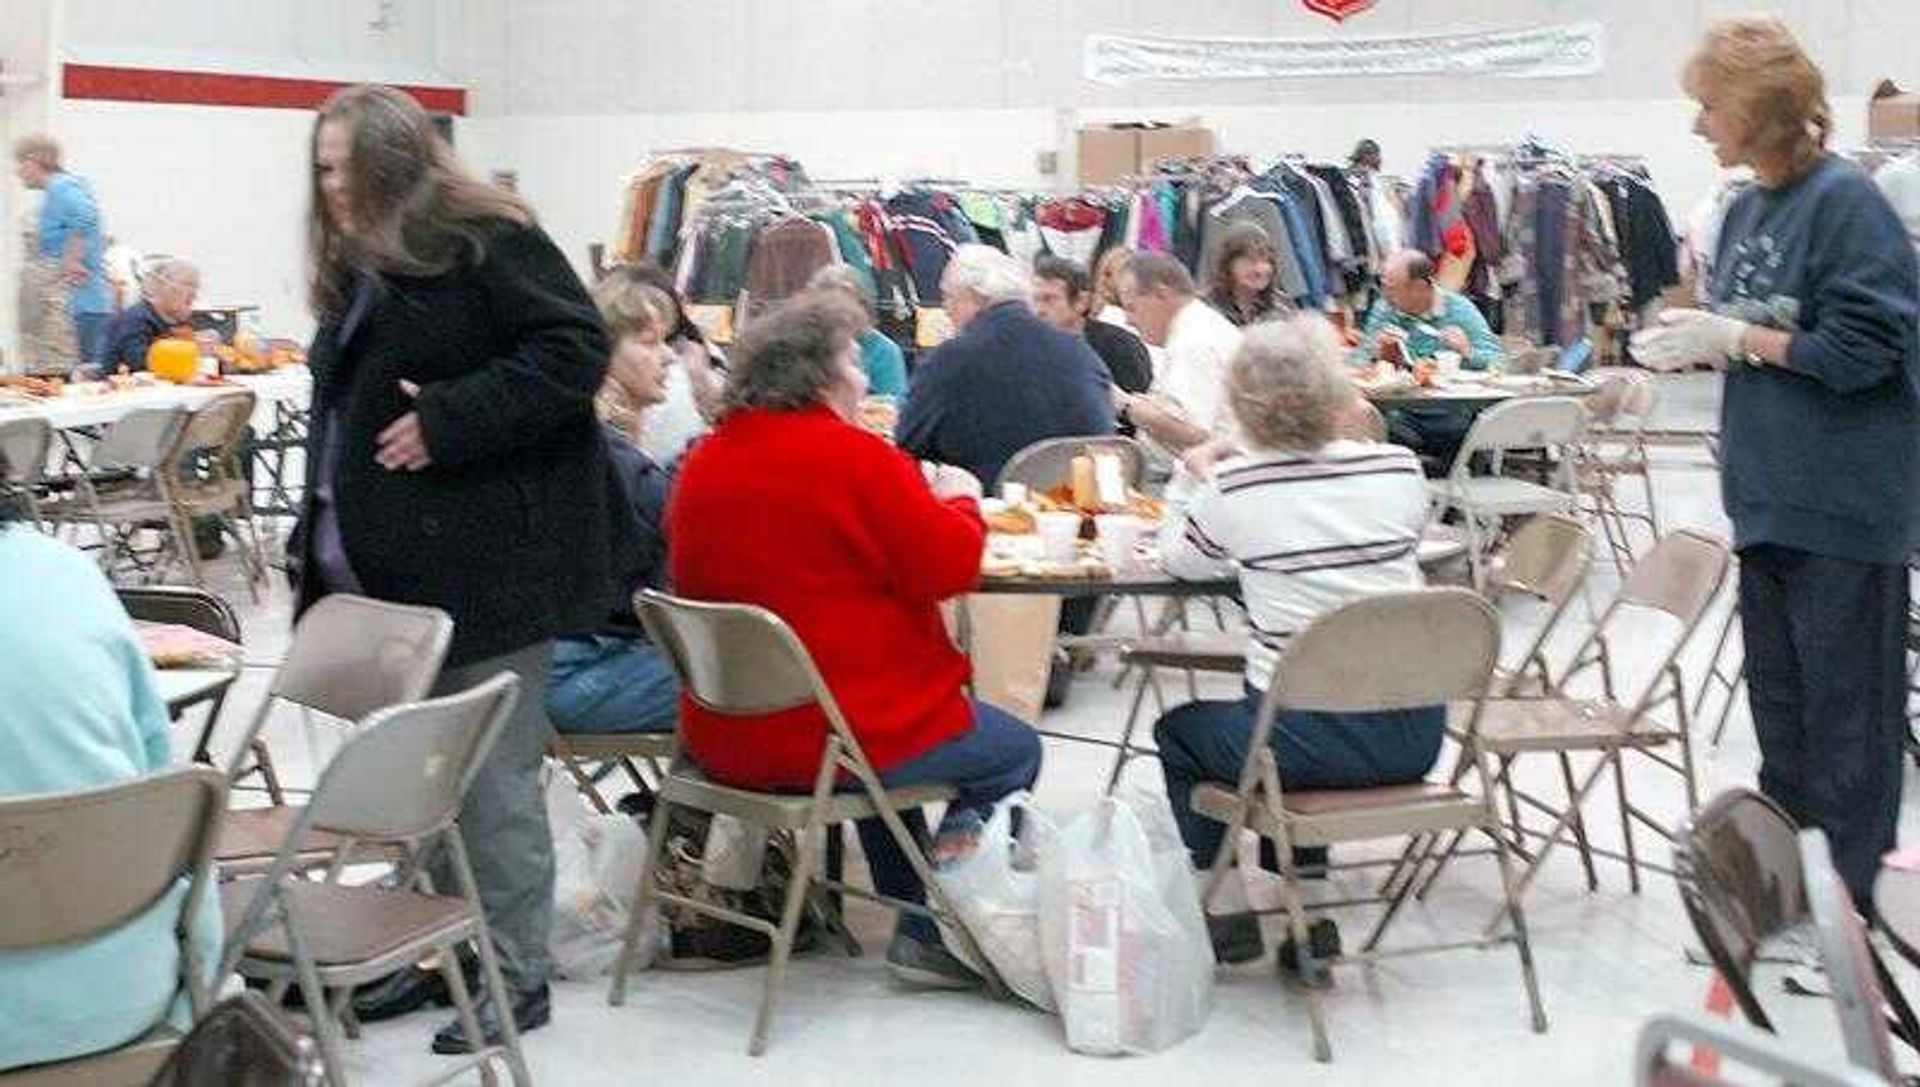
(1607, 960)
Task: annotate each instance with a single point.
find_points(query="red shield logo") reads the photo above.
(1339, 10)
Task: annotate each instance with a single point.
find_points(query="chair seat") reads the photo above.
(137, 1062)
(688, 787)
(346, 926)
(613, 745)
(1503, 496)
(256, 834)
(1199, 651)
(1328, 816)
(1512, 726)
(210, 495)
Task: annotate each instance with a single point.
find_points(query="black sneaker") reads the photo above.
(717, 946)
(1236, 937)
(927, 964)
(532, 1010)
(1323, 945)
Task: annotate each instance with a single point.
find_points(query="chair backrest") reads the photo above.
(732, 659)
(1532, 422)
(403, 771)
(23, 449)
(351, 655)
(142, 438)
(1741, 881)
(1680, 576)
(183, 606)
(1391, 651)
(1547, 557)
(1623, 396)
(79, 864)
(1048, 463)
(216, 425)
(1852, 976)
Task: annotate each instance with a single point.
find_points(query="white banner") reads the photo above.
(1575, 49)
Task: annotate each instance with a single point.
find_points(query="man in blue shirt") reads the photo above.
(69, 229)
(167, 290)
(1427, 320)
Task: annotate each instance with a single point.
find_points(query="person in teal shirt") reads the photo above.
(69, 230)
(885, 365)
(1428, 319)
(78, 710)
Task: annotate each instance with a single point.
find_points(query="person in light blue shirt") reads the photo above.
(78, 710)
(1427, 320)
(69, 230)
(880, 357)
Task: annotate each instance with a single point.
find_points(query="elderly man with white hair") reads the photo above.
(1006, 380)
(168, 286)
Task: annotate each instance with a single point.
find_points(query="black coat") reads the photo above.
(510, 529)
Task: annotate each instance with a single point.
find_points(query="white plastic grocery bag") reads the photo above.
(996, 891)
(597, 860)
(1121, 934)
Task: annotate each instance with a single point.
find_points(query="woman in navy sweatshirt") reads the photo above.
(1813, 308)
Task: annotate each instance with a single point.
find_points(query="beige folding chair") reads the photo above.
(1616, 449)
(739, 660)
(396, 783)
(206, 479)
(1655, 1065)
(78, 865)
(1048, 463)
(1553, 424)
(203, 611)
(1393, 651)
(125, 489)
(1678, 579)
(24, 444)
(583, 753)
(349, 657)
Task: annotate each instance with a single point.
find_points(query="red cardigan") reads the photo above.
(835, 531)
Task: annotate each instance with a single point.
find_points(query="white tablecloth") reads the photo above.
(291, 384)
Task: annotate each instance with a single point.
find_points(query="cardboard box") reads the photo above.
(1111, 152)
(1107, 154)
(1893, 113)
(1188, 140)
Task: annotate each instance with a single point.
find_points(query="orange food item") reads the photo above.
(1013, 522)
(173, 360)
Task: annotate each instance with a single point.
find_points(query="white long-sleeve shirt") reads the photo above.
(1305, 533)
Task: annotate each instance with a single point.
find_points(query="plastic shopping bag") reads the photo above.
(1121, 936)
(597, 861)
(996, 891)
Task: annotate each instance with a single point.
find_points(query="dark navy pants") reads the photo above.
(1207, 741)
(1826, 676)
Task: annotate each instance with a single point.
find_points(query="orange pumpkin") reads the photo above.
(173, 360)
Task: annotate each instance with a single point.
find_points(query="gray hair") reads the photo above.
(987, 274)
(153, 270)
(842, 278)
(1152, 271)
(788, 357)
(1287, 385)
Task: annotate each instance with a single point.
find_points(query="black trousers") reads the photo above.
(1826, 676)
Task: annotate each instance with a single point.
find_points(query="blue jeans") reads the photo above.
(997, 756)
(90, 334)
(1207, 741)
(606, 684)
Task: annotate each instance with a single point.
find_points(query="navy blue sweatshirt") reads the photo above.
(1006, 381)
(1823, 455)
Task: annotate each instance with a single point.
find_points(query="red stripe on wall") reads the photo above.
(108, 83)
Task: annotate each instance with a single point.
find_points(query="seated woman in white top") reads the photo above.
(1307, 520)
(78, 710)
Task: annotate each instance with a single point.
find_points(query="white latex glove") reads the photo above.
(1684, 338)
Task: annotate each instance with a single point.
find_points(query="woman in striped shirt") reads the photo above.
(1308, 520)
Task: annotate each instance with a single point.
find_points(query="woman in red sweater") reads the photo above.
(789, 504)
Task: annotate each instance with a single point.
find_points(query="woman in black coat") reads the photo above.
(455, 461)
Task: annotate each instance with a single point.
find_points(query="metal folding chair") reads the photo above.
(206, 479)
(396, 783)
(1391, 651)
(24, 445)
(1550, 424)
(588, 757)
(1616, 449)
(349, 657)
(738, 660)
(1655, 1064)
(81, 864)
